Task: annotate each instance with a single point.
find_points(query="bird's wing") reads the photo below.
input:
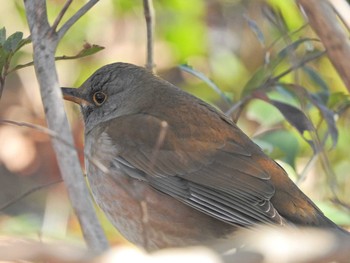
(217, 176)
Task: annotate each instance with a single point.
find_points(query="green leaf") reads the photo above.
(294, 46)
(24, 42)
(319, 81)
(2, 35)
(265, 75)
(206, 80)
(12, 43)
(3, 58)
(267, 71)
(256, 29)
(264, 113)
(328, 115)
(339, 102)
(255, 82)
(293, 115)
(89, 50)
(86, 51)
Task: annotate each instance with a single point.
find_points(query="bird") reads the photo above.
(170, 170)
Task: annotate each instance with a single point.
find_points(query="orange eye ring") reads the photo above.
(99, 98)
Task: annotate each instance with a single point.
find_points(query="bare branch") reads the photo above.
(60, 15)
(75, 18)
(95, 162)
(149, 16)
(343, 204)
(44, 44)
(28, 192)
(42, 129)
(86, 51)
(324, 21)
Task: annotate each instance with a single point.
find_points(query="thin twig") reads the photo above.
(75, 18)
(96, 163)
(207, 81)
(343, 204)
(28, 192)
(60, 15)
(327, 167)
(314, 158)
(42, 129)
(311, 162)
(56, 136)
(298, 65)
(235, 111)
(82, 53)
(164, 126)
(149, 17)
(272, 80)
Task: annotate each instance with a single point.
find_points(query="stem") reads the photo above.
(63, 30)
(149, 17)
(60, 15)
(28, 192)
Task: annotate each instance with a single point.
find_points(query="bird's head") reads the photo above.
(113, 90)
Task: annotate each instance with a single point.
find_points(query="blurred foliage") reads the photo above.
(257, 60)
(9, 46)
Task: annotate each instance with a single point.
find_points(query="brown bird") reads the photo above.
(176, 171)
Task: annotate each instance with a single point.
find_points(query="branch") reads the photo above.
(44, 44)
(86, 51)
(28, 192)
(75, 18)
(325, 23)
(149, 16)
(56, 136)
(296, 66)
(60, 15)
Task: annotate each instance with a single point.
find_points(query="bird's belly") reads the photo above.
(151, 219)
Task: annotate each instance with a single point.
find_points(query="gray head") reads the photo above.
(113, 90)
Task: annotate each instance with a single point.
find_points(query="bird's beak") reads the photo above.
(74, 95)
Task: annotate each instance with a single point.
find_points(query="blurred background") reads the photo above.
(231, 42)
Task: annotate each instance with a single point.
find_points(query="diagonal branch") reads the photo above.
(28, 192)
(62, 31)
(44, 45)
(60, 15)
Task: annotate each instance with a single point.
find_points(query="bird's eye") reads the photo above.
(99, 98)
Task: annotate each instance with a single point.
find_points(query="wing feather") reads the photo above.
(219, 178)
